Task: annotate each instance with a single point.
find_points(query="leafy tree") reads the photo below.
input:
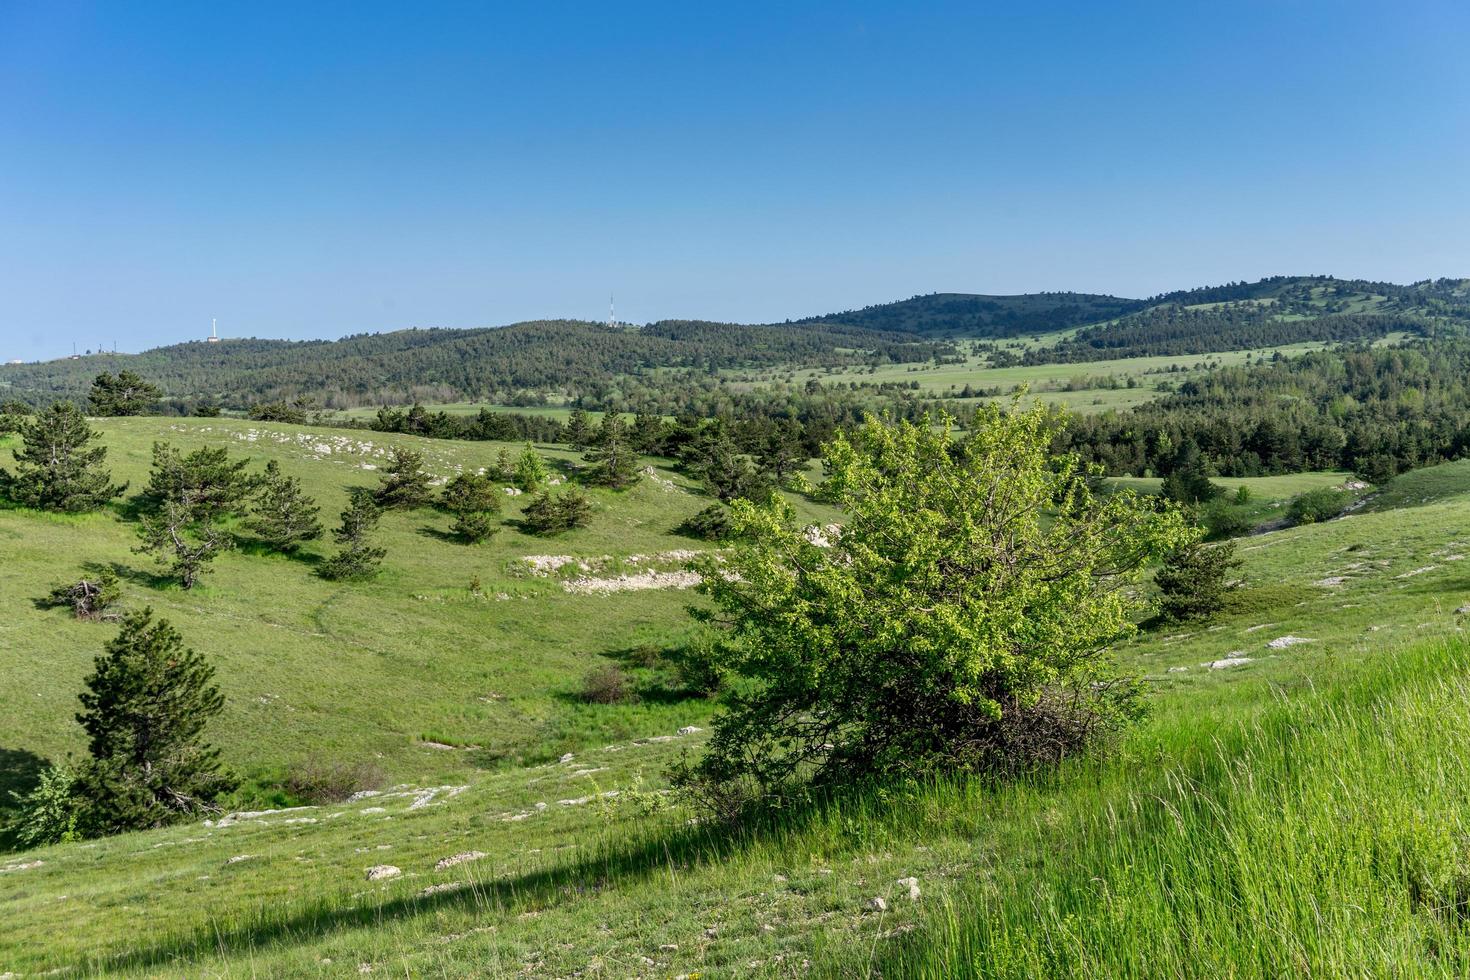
(147, 703)
(960, 620)
(404, 484)
(357, 557)
(614, 462)
(48, 813)
(554, 513)
(58, 470)
(1194, 580)
(180, 535)
(530, 470)
(474, 501)
(579, 429)
(283, 516)
(125, 394)
(206, 482)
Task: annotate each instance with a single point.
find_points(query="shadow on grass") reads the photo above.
(256, 548)
(657, 851)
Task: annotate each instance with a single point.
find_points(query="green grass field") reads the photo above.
(1297, 810)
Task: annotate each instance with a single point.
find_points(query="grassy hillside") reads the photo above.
(622, 885)
(372, 671)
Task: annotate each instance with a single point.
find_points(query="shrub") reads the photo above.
(1221, 520)
(960, 621)
(1318, 505)
(710, 524)
(48, 813)
(318, 780)
(606, 685)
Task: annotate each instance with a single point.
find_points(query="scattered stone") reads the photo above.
(437, 745)
(1252, 629)
(446, 886)
(1463, 610)
(1177, 670)
(690, 730)
(23, 866)
(375, 809)
(238, 858)
(1282, 642)
(877, 904)
(380, 871)
(1227, 662)
(460, 858)
(567, 758)
(1330, 582)
(912, 884)
(669, 948)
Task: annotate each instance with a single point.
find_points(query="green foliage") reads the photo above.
(293, 413)
(614, 461)
(1314, 506)
(57, 470)
(90, 598)
(206, 483)
(283, 516)
(579, 430)
(12, 415)
(404, 483)
(554, 513)
(48, 813)
(357, 557)
(957, 621)
(710, 524)
(1222, 520)
(474, 500)
(1194, 581)
(147, 703)
(181, 537)
(530, 470)
(124, 394)
(1242, 495)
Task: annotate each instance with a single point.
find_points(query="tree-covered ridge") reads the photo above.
(970, 315)
(487, 363)
(1375, 411)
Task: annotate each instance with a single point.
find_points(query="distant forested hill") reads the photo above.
(967, 315)
(521, 363)
(489, 363)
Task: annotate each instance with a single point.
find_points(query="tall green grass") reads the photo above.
(1329, 836)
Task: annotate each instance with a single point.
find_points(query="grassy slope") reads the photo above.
(360, 671)
(608, 885)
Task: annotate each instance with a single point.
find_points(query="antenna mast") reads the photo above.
(611, 320)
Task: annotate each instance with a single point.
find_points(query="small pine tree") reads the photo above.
(530, 471)
(554, 513)
(283, 516)
(1194, 580)
(125, 394)
(358, 558)
(614, 462)
(405, 485)
(179, 536)
(147, 703)
(578, 429)
(57, 470)
(474, 502)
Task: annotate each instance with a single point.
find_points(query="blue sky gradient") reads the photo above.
(308, 170)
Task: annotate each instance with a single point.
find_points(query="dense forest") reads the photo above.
(966, 315)
(1375, 411)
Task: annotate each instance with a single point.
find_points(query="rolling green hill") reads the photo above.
(511, 858)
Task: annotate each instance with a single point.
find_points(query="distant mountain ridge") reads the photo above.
(565, 355)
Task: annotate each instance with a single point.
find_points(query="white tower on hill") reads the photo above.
(213, 330)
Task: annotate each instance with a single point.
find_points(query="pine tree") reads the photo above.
(126, 394)
(615, 464)
(1194, 580)
(57, 470)
(180, 535)
(579, 430)
(530, 470)
(283, 516)
(405, 484)
(147, 703)
(474, 501)
(357, 558)
(554, 513)
(206, 481)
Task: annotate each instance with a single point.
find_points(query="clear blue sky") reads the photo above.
(315, 169)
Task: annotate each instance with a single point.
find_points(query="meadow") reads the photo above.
(512, 858)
